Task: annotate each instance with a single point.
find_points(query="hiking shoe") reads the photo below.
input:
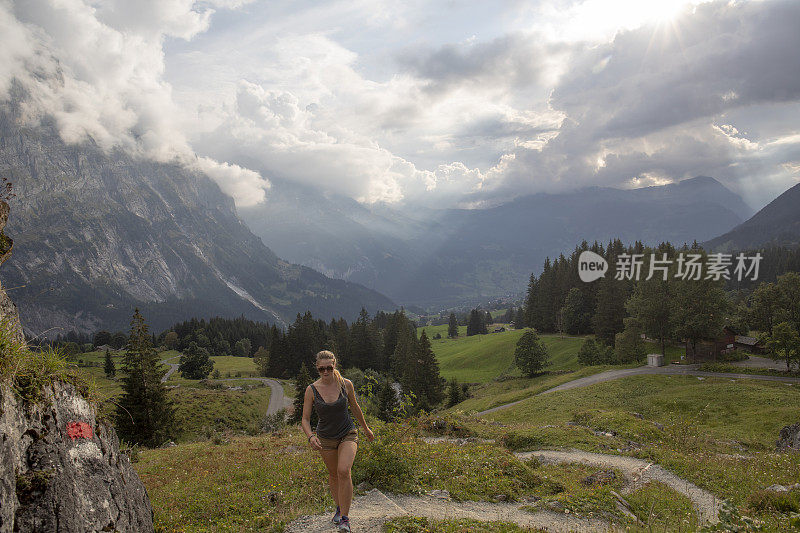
(344, 524)
(337, 517)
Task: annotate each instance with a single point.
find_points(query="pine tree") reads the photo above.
(454, 393)
(301, 383)
(575, 315)
(428, 385)
(387, 401)
(519, 319)
(261, 359)
(452, 326)
(145, 414)
(108, 366)
(364, 345)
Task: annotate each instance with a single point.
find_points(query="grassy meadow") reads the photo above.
(483, 358)
(203, 407)
(718, 433)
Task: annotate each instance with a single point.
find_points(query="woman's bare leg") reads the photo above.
(347, 453)
(331, 458)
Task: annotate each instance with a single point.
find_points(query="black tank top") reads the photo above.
(334, 418)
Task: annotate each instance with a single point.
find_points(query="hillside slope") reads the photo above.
(777, 224)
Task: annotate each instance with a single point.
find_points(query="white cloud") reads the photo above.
(97, 68)
(453, 104)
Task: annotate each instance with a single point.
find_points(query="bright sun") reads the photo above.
(601, 19)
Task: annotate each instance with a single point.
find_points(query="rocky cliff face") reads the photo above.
(99, 233)
(60, 467)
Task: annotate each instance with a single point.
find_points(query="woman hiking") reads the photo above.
(336, 437)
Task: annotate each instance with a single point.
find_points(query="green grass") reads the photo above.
(496, 393)
(247, 484)
(201, 412)
(228, 366)
(726, 367)
(716, 432)
(661, 508)
(28, 372)
(226, 487)
(413, 524)
(481, 358)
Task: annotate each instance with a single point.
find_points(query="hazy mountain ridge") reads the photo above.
(96, 234)
(777, 224)
(459, 256)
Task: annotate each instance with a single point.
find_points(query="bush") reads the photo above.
(446, 425)
(595, 353)
(518, 442)
(767, 500)
(274, 422)
(387, 464)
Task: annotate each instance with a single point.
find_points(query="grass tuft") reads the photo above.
(29, 372)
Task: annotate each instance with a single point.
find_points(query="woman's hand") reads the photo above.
(314, 442)
(368, 433)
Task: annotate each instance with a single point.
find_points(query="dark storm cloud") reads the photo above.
(721, 57)
(509, 61)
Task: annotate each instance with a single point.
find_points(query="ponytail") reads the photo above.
(340, 379)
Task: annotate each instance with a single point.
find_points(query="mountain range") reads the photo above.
(98, 233)
(777, 224)
(447, 257)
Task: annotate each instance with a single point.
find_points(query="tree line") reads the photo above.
(668, 306)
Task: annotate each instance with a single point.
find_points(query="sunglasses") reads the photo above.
(322, 369)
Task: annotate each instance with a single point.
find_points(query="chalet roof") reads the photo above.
(749, 341)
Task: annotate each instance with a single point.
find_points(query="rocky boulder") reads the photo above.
(789, 438)
(61, 469)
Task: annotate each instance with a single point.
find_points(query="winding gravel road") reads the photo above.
(671, 370)
(277, 399)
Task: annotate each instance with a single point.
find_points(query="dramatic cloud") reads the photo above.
(448, 104)
(98, 70)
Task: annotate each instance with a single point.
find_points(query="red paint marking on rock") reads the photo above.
(79, 430)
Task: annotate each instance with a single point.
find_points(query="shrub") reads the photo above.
(516, 441)
(767, 500)
(388, 463)
(274, 422)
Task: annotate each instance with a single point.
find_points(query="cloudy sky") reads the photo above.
(441, 103)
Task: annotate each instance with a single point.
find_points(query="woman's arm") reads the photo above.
(305, 423)
(351, 395)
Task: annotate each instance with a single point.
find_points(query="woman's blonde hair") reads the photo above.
(327, 354)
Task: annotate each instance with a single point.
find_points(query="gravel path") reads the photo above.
(637, 472)
(680, 370)
(370, 511)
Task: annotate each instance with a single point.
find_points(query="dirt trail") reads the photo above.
(370, 511)
(637, 472)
